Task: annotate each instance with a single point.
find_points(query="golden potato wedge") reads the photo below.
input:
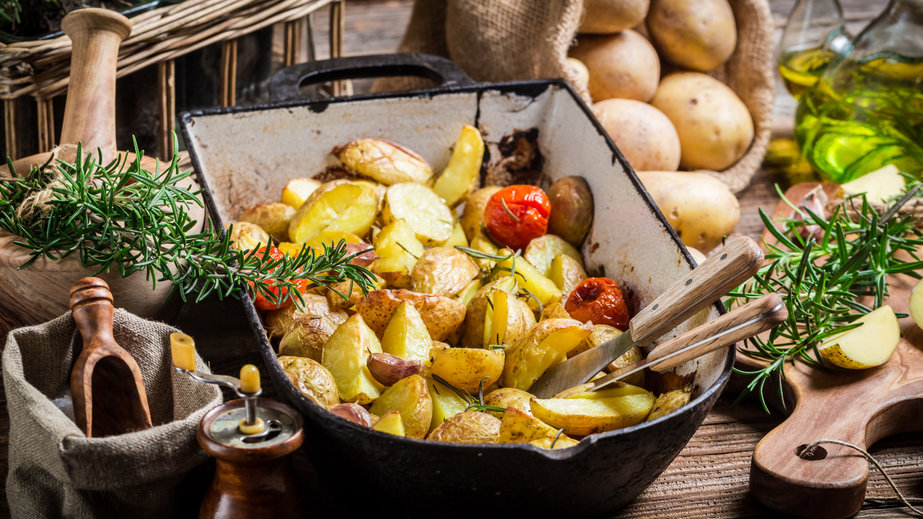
(542, 250)
(277, 322)
(482, 243)
(390, 423)
(425, 213)
(467, 294)
(518, 426)
(354, 413)
(529, 279)
(345, 355)
(410, 397)
(543, 346)
(456, 238)
(247, 235)
(566, 273)
(406, 335)
(384, 161)
(461, 175)
(388, 369)
(555, 310)
(311, 379)
(473, 214)
(473, 330)
(510, 319)
(338, 205)
(467, 427)
(273, 217)
(310, 330)
(446, 402)
(398, 250)
(345, 294)
(331, 238)
(441, 315)
(600, 334)
(507, 397)
(297, 190)
(670, 401)
(584, 416)
(443, 271)
(468, 368)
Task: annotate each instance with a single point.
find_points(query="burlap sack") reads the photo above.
(501, 40)
(56, 471)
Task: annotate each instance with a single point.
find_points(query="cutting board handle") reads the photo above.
(89, 113)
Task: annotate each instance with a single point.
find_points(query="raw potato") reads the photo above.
(642, 133)
(468, 368)
(473, 214)
(443, 271)
(566, 273)
(699, 35)
(571, 209)
(273, 217)
(543, 346)
(609, 16)
(311, 328)
(388, 369)
(623, 65)
(246, 236)
(390, 423)
(468, 427)
(397, 248)
(518, 426)
(446, 403)
(406, 335)
(701, 208)
(508, 397)
(338, 205)
(442, 315)
(867, 346)
(579, 74)
(592, 412)
(916, 304)
(311, 379)
(345, 355)
(410, 397)
(461, 175)
(384, 161)
(297, 190)
(669, 402)
(542, 250)
(422, 209)
(714, 126)
(879, 186)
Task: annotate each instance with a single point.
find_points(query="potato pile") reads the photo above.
(459, 327)
(647, 64)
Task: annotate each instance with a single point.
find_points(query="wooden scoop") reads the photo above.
(106, 384)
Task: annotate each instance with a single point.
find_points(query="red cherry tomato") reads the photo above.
(517, 214)
(261, 301)
(600, 301)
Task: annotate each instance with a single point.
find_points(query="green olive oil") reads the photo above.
(800, 69)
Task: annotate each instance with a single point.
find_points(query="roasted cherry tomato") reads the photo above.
(261, 301)
(600, 301)
(516, 214)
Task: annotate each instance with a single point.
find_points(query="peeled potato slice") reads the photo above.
(459, 178)
(867, 346)
(422, 209)
(916, 304)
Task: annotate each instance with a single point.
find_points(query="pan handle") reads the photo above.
(285, 83)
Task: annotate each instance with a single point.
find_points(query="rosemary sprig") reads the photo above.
(826, 283)
(474, 253)
(122, 217)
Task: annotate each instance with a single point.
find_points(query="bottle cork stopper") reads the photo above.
(249, 379)
(182, 348)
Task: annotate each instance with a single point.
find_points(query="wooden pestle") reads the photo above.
(106, 383)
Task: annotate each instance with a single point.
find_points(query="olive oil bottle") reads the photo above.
(801, 68)
(813, 36)
(866, 110)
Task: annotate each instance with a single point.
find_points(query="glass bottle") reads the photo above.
(814, 34)
(866, 111)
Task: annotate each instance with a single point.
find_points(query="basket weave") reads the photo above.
(501, 40)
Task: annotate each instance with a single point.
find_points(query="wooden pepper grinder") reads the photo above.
(250, 440)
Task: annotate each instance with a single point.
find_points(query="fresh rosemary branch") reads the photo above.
(826, 283)
(123, 217)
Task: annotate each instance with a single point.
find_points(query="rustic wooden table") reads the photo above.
(710, 476)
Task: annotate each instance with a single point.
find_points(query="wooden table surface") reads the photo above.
(710, 476)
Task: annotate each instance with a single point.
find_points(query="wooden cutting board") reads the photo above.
(859, 407)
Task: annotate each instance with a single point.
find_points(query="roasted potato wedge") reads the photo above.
(467, 427)
(311, 379)
(566, 273)
(486, 318)
(468, 368)
(482, 243)
(473, 214)
(543, 346)
(422, 209)
(457, 238)
(308, 334)
(246, 236)
(410, 397)
(542, 250)
(446, 402)
(555, 311)
(297, 190)
(277, 322)
(670, 401)
(461, 175)
(406, 335)
(338, 205)
(398, 250)
(467, 294)
(441, 315)
(507, 397)
(592, 412)
(529, 279)
(518, 426)
(345, 355)
(443, 271)
(388, 369)
(273, 217)
(390, 423)
(384, 161)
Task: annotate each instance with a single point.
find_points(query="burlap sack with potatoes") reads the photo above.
(502, 40)
(56, 471)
